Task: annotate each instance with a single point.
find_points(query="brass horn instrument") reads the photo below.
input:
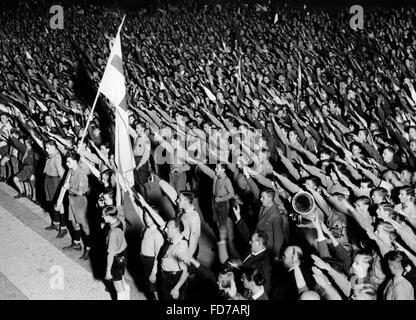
(304, 204)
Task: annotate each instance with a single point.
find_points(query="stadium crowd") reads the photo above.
(234, 111)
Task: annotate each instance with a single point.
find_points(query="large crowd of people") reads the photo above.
(234, 112)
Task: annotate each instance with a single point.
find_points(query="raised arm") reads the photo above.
(375, 179)
(289, 185)
(312, 158)
(204, 168)
(321, 279)
(289, 166)
(279, 132)
(169, 191)
(214, 120)
(347, 181)
(340, 280)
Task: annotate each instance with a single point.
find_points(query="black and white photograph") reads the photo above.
(202, 154)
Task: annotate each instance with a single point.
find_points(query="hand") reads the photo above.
(321, 264)
(58, 207)
(251, 172)
(401, 228)
(399, 247)
(237, 211)
(320, 278)
(191, 160)
(408, 83)
(174, 293)
(299, 159)
(108, 276)
(245, 172)
(152, 277)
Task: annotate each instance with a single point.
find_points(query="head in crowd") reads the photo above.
(107, 178)
(361, 264)
(384, 210)
(312, 183)
(110, 214)
(407, 195)
(252, 278)
(185, 199)
(292, 256)
(72, 160)
(397, 262)
(174, 229)
(51, 147)
(220, 169)
(379, 195)
(386, 232)
(106, 198)
(105, 148)
(362, 203)
(258, 242)
(227, 281)
(267, 197)
(139, 127)
(388, 154)
(4, 118)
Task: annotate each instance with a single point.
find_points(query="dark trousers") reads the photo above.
(147, 263)
(169, 280)
(220, 211)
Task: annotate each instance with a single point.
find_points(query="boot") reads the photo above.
(62, 233)
(52, 227)
(20, 195)
(86, 255)
(73, 246)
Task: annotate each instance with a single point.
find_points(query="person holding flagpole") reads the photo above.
(141, 151)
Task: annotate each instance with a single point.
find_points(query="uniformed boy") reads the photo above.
(77, 187)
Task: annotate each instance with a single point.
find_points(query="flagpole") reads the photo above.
(89, 120)
(68, 176)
